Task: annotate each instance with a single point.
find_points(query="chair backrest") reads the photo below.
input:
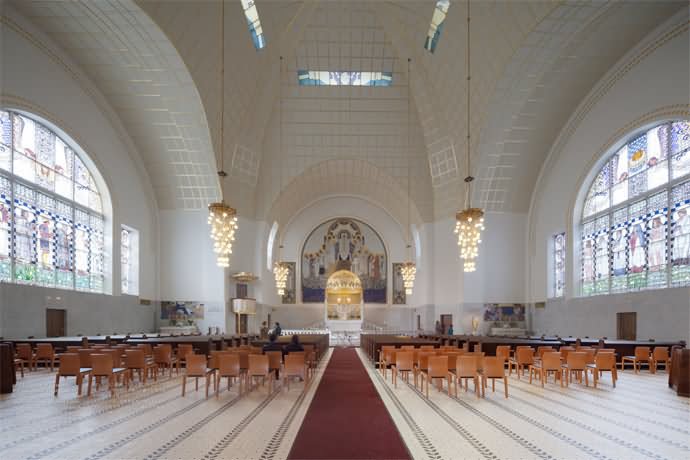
(196, 365)
(24, 350)
(258, 365)
(404, 360)
(148, 349)
(503, 351)
(69, 364)
(427, 347)
(162, 355)
(525, 355)
(101, 364)
(565, 351)
(213, 360)
(135, 359)
(73, 349)
(642, 353)
(165, 346)
(294, 365)
(466, 366)
(244, 359)
(85, 357)
(407, 347)
(660, 353)
(551, 361)
(44, 350)
(577, 360)
(542, 349)
(184, 349)
(493, 367)
(255, 350)
(309, 348)
(116, 354)
(438, 366)
(228, 364)
(389, 355)
(423, 359)
(605, 361)
(275, 358)
(590, 353)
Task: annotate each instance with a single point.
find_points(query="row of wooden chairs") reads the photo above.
(645, 355)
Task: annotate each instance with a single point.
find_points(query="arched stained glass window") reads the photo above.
(51, 214)
(635, 223)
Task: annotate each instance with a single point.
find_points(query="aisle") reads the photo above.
(347, 419)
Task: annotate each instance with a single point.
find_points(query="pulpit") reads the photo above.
(679, 376)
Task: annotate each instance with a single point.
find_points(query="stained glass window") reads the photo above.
(436, 25)
(51, 222)
(338, 78)
(559, 265)
(255, 29)
(635, 230)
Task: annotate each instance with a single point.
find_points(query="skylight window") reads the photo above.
(252, 15)
(328, 78)
(436, 26)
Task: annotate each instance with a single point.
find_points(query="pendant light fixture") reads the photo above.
(470, 221)
(408, 270)
(221, 217)
(280, 268)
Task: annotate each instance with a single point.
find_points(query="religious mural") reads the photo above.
(344, 242)
(181, 312)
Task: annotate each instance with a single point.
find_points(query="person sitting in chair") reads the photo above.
(277, 330)
(272, 344)
(294, 345)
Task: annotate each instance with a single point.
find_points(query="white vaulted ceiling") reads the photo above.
(157, 61)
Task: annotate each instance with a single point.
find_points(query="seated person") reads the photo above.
(294, 345)
(272, 344)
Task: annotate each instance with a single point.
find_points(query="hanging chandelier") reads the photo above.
(221, 217)
(408, 270)
(470, 221)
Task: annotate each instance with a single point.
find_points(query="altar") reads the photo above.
(343, 312)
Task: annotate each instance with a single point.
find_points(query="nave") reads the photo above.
(640, 418)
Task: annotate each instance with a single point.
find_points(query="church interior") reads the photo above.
(344, 229)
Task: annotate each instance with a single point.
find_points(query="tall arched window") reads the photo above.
(635, 223)
(51, 215)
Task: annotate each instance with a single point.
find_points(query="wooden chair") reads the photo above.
(102, 366)
(183, 350)
(564, 352)
(295, 366)
(494, 369)
(642, 355)
(148, 349)
(576, 364)
(660, 355)
(404, 364)
(135, 360)
(85, 357)
(437, 370)
(465, 369)
(427, 348)
(388, 360)
(163, 359)
(69, 367)
(310, 354)
(196, 368)
(422, 364)
(503, 351)
(275, 362)
(26, 355)
(213, 359)
(229, 367)
(258, 367)
(543, 349)
(603, 362)
(385, 357)
(45, 354)
(407, 348)
(550, 362)
(524, 357)
(73, 349)
(244, 359)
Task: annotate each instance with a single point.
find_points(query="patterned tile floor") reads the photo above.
(151, 422)
(641, 418)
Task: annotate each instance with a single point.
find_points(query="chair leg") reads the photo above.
(57, 383)
(184, 384)
(505, 384)
(88, 390)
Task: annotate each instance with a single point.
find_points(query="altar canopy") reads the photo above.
(344, 242)
(344, 296)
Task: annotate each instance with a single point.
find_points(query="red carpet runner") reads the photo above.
(347, 419)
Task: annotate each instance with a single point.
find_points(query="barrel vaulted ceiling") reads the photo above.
(157, 62)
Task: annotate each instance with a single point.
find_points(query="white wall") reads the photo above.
(649, 84)
(39, 78)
